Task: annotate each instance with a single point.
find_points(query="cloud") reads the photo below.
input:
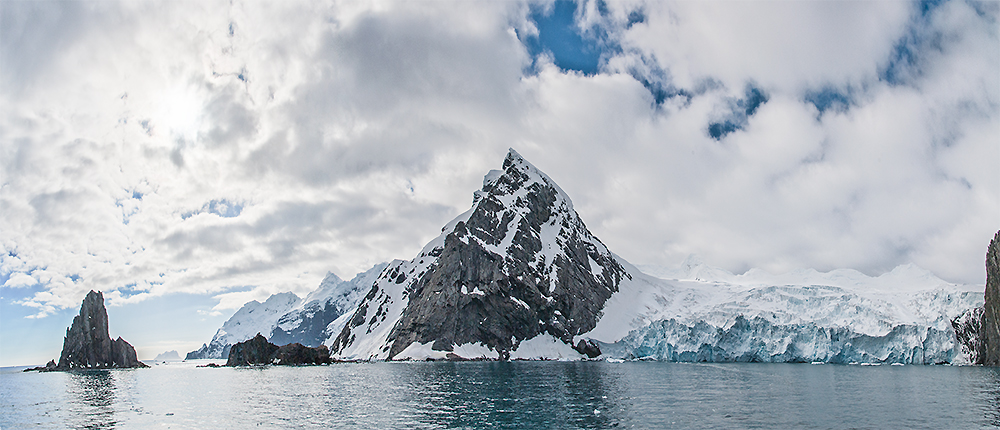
(242, 149)
(783, 45)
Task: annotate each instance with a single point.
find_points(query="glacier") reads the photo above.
(705, 313)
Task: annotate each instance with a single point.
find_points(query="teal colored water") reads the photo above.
(506, 395)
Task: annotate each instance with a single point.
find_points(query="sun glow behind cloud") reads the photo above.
(179, 111)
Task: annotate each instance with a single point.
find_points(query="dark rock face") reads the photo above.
(48, 367)
(521, 264)
(978, 329)
(258, 350)
(970, 334)
(991, 314)
(87, 344)
(297, 354)
(308, 326)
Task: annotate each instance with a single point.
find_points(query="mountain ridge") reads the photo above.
(519, 263)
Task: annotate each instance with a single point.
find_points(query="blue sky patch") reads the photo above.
(221, 207)
(904, 63)
(741, 110)
(559, 36)
(829, 99)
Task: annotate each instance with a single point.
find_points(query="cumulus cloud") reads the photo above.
(245, 148)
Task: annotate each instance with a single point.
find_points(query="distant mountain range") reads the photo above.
(285, 318)
(168, 356)
(519, 275)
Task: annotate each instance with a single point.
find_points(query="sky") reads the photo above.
(187, 157)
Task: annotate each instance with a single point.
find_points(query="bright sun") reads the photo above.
(180, 111)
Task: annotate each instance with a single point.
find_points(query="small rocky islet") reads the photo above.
(258, 351)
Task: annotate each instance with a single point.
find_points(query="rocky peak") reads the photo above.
(518, 264)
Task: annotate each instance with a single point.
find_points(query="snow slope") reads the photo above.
(254, 317)
(285, 318)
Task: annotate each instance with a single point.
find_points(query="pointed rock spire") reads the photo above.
(518, 264)
(87, 344)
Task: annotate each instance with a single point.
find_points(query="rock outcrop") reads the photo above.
(258, 351)
(87, 344)
(48, 367)
(978, 330)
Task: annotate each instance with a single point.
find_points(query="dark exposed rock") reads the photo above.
(258, 350)
(588, 347)
(520, 265)
(310, 323)
(87, 344)
(991, 314)
(978, 330)
(298, 354)
(48, 367)
(970, 334)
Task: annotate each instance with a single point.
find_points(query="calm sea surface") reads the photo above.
(506, 395)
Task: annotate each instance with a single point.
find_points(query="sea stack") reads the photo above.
(87, 344)
(978, 329)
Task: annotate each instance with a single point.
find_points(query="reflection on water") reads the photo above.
(91, 396)
(509, 395)
(506, 395)
(991, 387)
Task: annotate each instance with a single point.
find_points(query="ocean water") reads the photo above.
(505, 395)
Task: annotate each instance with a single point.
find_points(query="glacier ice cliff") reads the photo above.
(759, 340)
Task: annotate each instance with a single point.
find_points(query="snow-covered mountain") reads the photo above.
(285, 318)
(168, 356)
(519, 265)
(520, 276)
(315, 321)
(245, 323)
